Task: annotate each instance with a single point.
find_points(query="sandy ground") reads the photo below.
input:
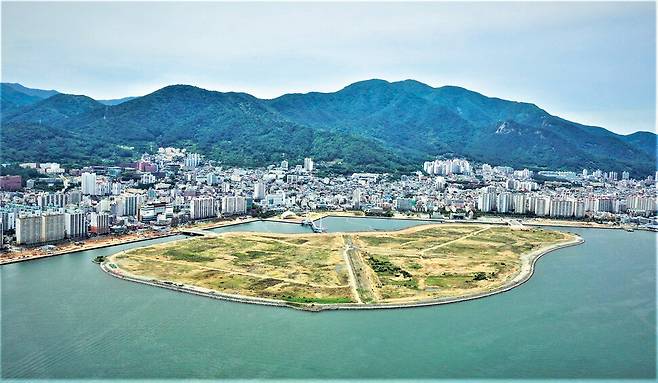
(365, 285)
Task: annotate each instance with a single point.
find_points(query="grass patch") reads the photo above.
(183, 255)
(410, 283)
(450, 280)
(311, 269)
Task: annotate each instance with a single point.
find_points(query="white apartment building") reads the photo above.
(308, 164)
(88, 183)
(504, 203)
(519, 203)
(75, 224)
(203, 207)
(259, 191)
(487, 202)
(232, 205)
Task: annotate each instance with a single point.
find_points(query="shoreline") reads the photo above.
(496, 221)
(216, 225)
(529, 261)
(93, 247)
(123, 242)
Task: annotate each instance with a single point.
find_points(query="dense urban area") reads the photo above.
(174, 188)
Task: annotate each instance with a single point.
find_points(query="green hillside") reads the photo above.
(371, 125)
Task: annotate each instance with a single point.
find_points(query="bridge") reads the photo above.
(314, 227)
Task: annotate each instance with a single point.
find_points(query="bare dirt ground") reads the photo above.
(411, 265)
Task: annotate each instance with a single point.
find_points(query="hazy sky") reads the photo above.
(593, 63)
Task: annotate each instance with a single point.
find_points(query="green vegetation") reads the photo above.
(480, 276)
(449, 280)
(182, 255)
(372, 126)
(99, 259)
(423, 262)
(385, 267)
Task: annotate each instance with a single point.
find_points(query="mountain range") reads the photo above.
(372, 125)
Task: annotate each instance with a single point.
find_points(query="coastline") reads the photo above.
(538, 222)
(214, 225)
(83, 248)
(171, 233)
(529, 261)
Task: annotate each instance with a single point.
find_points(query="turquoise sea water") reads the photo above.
(588, 313)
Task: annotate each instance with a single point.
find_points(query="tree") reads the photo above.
(479, 276)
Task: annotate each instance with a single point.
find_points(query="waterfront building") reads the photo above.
(603, 204)
(28, 229)
(618, 206)
(234, 205)
(53, 227)
(151, 211)
(487, 201)
(259, 191)
(203, 207)
(519, 203)
(100, 223)
(75, 224)
(404, 204)
(562, 207)
(641, 204)
(8, 218)
(357, 195)
(504, 203)
(275, 199)
(39, 228)
(579, 209)
(540, 206)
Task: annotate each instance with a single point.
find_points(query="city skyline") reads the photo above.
(569, 59)
(365, 190)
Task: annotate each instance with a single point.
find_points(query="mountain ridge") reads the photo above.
(397, 123)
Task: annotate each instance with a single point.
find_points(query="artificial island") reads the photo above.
(421, 265)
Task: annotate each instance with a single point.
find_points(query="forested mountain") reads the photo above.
(371, 125)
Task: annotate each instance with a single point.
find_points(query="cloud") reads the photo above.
(570, 58)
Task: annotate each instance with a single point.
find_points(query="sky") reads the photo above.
(589, 62)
